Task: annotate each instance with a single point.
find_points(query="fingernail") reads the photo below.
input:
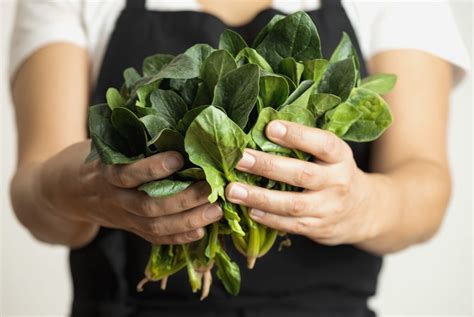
(277, 130)
(213, 212)
(256, 213)
(247, 161)
(173, 162)
(238, 192)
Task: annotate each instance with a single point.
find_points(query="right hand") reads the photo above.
(106, 195)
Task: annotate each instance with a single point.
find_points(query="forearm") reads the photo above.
(406, 204)
(37, 216)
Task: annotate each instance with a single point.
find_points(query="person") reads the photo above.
(361, 201)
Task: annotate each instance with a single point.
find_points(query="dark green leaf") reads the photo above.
(169, 140)
(345, 50)
(375, 116)
(217, 65)
(202, 96)
(251, 56)
(199, 52)
(129, 126)
(293, 36)
(188, 118)
(339, 79)
(237, 93)
(380, 83)
(170, 106)
(273, 92)
(154, 125)
(164, 188)
(301, 94)
(232, 42)
(153, 64)
(292, 69)
(143, 93)
(194, 173)
(187, 89)
(264, 32)
(181, 67)
(132, 77)
(228, 272)
(314, 69)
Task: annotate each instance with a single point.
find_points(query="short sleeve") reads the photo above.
(39, 23)
(426, 26)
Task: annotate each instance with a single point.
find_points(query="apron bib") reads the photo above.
(306, 279)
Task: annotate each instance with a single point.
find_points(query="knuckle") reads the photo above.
(297, 207)
(192, 222)
(184, 202)
(304, 176)
(303, 225)
(147, 207)
(118, 177)
(329, 144)
(154, 228)
(153, 171)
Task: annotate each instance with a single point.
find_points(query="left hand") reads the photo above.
(332, 209)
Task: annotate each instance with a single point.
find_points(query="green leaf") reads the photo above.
(251, 56)
(301, 94)
(264, 32)
(375, 116)
(237, 93)
(345, 50)
(187, 89)
(232, 42)
(293, 113)
(231, 214)
(339, 79)
(194, 173)
(202, 96)
(132, 78)
(293, 36)
(169, 140)
(114, 99)
(109, 155)
(188, 118)
(215, 143)
(341, 118)
(170, 106)
(218, 64)
(320, 103)
(129, 126)
(199, 53)
(143, 93)
(292, 69)
(380, 83)
(273, 91)
(314, 70)
(154, 125)
(181, 67)
(164, 188)
(153, 64)
(228, 272)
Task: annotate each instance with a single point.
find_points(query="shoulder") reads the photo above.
(429, 26)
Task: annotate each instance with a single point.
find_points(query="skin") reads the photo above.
(61, 200)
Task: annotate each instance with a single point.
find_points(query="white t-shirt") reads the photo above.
(379, 25)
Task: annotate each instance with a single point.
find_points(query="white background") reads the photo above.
(433, 279)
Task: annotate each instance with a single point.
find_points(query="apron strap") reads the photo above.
(135, 4)
(330, 3)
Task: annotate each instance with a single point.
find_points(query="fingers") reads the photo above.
(185, 222)
(324, 145)
(288, 170)
(140, 204)
(148, 169)
(293, 204)
(179, 238)
(297, 225)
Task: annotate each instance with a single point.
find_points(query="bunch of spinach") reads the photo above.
(210, 104)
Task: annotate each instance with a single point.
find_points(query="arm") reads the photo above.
(62, 200)
(400, 204)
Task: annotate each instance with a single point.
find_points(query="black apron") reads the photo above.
(306, 279)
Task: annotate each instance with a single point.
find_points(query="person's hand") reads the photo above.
(106, 195)
(332, 208)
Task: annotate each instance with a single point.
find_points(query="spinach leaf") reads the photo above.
(181, 67)
(314, 69)
(251, 56)
(301, 94)
(341, 118)
(273, 91)
(320, 103)
(292, 69)
(153, 64)
(293, 36)
(215, 143)
(132, 78)
(375, 116)
(237, 93)
(264, 32)
(187, 89)
(199, 53)
(228, 272)
(129, 126)
(143, 93)
(380, 83)
(153, 126)
(339, 78)
(114, 99)
(169, 140)
(170, 106)
(345, 50)
(164, 188)
(231, 214)
(217, 65)
(194, 173)
(232, 42)
(188, 118)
